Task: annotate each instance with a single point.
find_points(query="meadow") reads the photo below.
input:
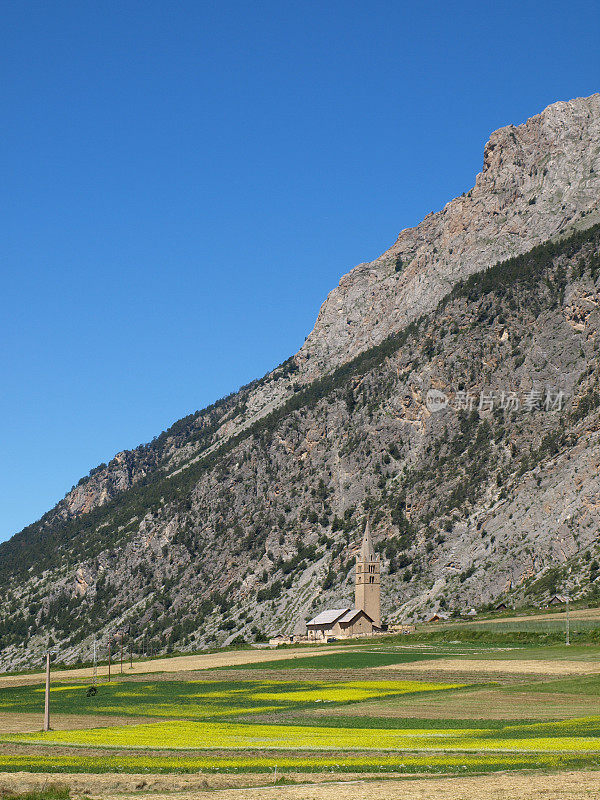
(205, 699)
(363, 716)
(572, 736)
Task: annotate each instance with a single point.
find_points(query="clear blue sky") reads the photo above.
(183, 183)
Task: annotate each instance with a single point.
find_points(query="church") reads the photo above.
(365, 617)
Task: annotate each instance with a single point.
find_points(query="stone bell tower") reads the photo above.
(367, 581)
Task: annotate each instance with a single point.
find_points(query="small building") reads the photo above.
(556, 600)
(402, 628)
(439, 617)
(501, 607)
(339, 623)
(280, 638)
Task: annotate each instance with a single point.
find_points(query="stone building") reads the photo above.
(340, 623)
(365, 617)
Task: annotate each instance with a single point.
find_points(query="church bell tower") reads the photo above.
(367, 586)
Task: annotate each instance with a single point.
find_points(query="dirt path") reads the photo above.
(176, 664)
(531, 667)
(499, 786)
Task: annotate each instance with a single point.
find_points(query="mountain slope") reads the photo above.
(240, 518)
(539, 180)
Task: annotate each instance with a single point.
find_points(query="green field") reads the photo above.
(373, 657)
(205, 700)
(550, 625)
(337, 724)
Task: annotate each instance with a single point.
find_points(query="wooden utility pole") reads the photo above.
(95, 678)
(568, 638)
(109, 644)
(121, 652)
(47, 695)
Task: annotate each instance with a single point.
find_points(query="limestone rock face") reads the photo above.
(539, 180)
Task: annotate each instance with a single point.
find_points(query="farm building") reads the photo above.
(556, 600)
(280, 638)
(439, 617)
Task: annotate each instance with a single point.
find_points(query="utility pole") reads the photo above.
(109, 644)
(568, 640)
(95, 678)
(130, 650)
(47, 695)
(121, 652)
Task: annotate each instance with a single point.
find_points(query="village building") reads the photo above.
(402, 628)
(280, 638)
(556, 600)
(439, 616)
(365, 617)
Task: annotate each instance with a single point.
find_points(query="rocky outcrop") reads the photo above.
(539, 180)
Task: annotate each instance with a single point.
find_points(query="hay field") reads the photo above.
(494, 666)
(503, 786)
(175, 664)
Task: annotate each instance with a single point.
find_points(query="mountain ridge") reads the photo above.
(329, 343)
(101, 549)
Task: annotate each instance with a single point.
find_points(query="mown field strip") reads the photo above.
(522, 667)
(176, 664)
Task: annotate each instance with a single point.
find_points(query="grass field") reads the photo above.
(380, 708)
(205, 700)
(355, 659)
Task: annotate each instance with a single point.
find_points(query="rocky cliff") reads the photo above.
(539, 180)
(447, 391)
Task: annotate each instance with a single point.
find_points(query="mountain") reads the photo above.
(449, 389)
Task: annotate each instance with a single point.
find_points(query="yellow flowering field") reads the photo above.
(349, 691)
(176, 734)
(402, 763)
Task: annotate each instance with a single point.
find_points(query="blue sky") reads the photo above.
(183, 183)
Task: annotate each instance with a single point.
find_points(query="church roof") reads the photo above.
(328, 617)
(352, 614)
(337, 615)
